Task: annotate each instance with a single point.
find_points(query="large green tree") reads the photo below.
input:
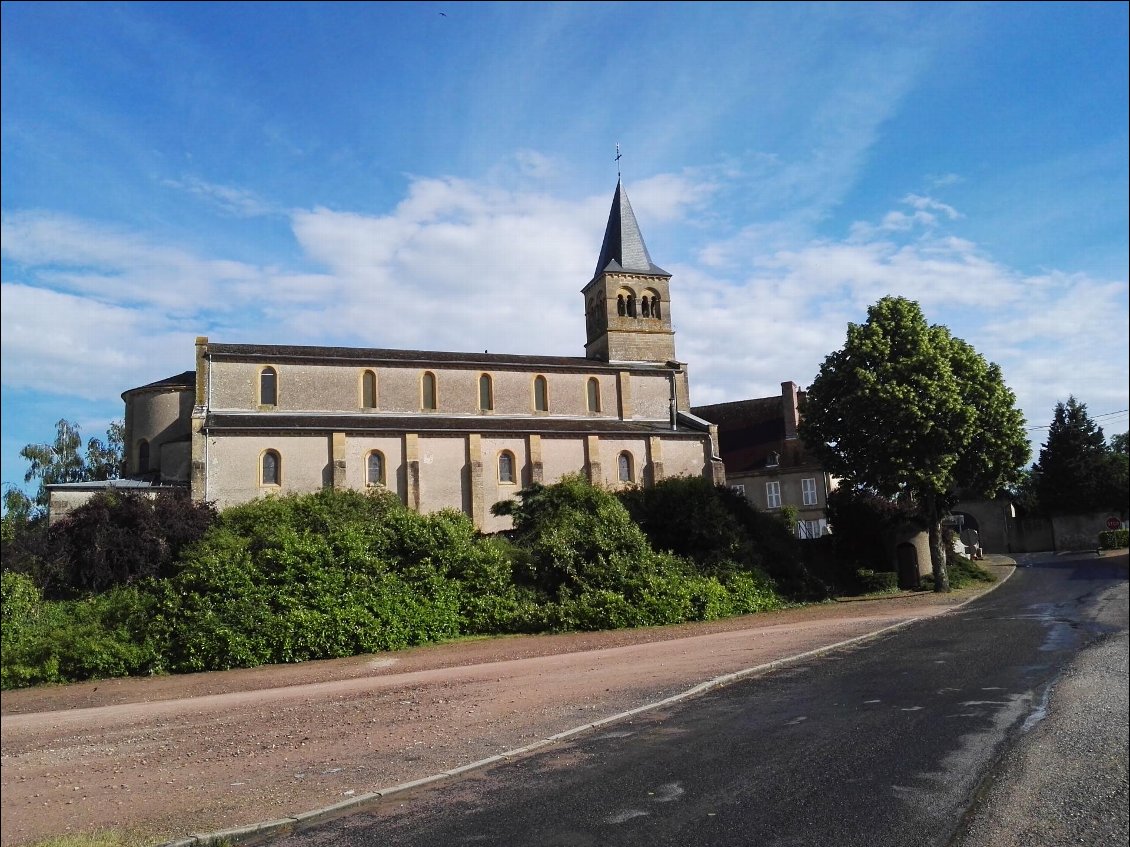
(911, 412)
(1077, 471)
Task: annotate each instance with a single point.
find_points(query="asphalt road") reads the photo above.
(891, 743)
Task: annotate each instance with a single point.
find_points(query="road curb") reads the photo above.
(284, 825)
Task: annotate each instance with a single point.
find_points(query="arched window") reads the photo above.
(631, 307)
(428, 394)
(541, 394)
(624, 466)
(270, 468)
(645, 307)
(621, 306)
(368, 390)
(655, 313)
(486, 393)
(506, 467)
(142, 456)
(268, 387)
(593, 391)
(375, 468)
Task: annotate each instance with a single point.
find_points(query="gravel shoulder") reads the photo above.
(167, 757)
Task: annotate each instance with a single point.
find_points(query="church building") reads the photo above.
(439, 429)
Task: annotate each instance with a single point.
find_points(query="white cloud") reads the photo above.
(464, 265)
(239, 202)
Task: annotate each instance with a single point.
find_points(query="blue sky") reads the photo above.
(438, 175)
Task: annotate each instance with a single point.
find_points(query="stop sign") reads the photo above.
(1113, 523)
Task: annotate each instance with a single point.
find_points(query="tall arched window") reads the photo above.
(621, 306)
(486, 393)
(368, 390)
(655, 313)
(143, 456)
(375, 468)
(645, 307)
(428, 394)
(541, 394)
(632, 306)
(270, 468)
(506, 467)
(624, 466)
(268, 387)
(593, 391)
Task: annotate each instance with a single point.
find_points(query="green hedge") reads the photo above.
(1114, 539)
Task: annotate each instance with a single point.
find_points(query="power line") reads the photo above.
(1092, 417)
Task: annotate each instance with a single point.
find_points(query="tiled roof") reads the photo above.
(749, 430)
(181, 380)
(376, 424)
(378, 356)
(623, 247)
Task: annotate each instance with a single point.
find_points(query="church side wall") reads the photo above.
(234, 469)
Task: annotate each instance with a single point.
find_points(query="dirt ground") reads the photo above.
(167, 757)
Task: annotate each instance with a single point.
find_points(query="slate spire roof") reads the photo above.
(623, 248)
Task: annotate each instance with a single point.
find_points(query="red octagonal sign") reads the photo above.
(1113, 523)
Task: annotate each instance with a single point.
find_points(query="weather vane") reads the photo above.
(617, 161)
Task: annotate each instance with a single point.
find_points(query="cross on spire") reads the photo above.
(617, 161)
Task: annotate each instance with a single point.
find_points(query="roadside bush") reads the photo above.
(962, 573)
(71, 640)
(1114, 539)
(876, 582)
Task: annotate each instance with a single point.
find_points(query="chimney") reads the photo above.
(790, 409)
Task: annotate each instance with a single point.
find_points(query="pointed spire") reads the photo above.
(623, 248)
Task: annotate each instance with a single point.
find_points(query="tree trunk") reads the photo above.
(937, 548)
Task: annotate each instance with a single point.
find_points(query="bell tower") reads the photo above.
(628, 300)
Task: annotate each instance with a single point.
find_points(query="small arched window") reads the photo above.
(631, 307)
(143, 456)
(655, 313)
(621, 306)
(268, 387)
(541, 394)
(506, 467)
(624, 466)
(645, 307)
(486, 393)
(375, 468)
(270, 468)
(428, 394)
(368, 390)
(593, 391)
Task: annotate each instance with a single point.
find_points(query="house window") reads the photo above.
(808, 491)
(270, 468)
(624, 466)
(738, 489)
(142, 456)
(773, 459)
(368, 390)
(428, 394)
(810, 529)
(773, 495)
(268, 387)
(594, 394)
(541, 394)
(486, 393)
(506, 467)
(375, 468)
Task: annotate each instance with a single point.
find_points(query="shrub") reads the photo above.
(876, 582)
(1114, 539)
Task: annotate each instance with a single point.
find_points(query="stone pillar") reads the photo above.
(475, 481)
(592, 460)
(337, 457)
(624, 395)
(412, 470)
(533, 450)
(655, 459)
